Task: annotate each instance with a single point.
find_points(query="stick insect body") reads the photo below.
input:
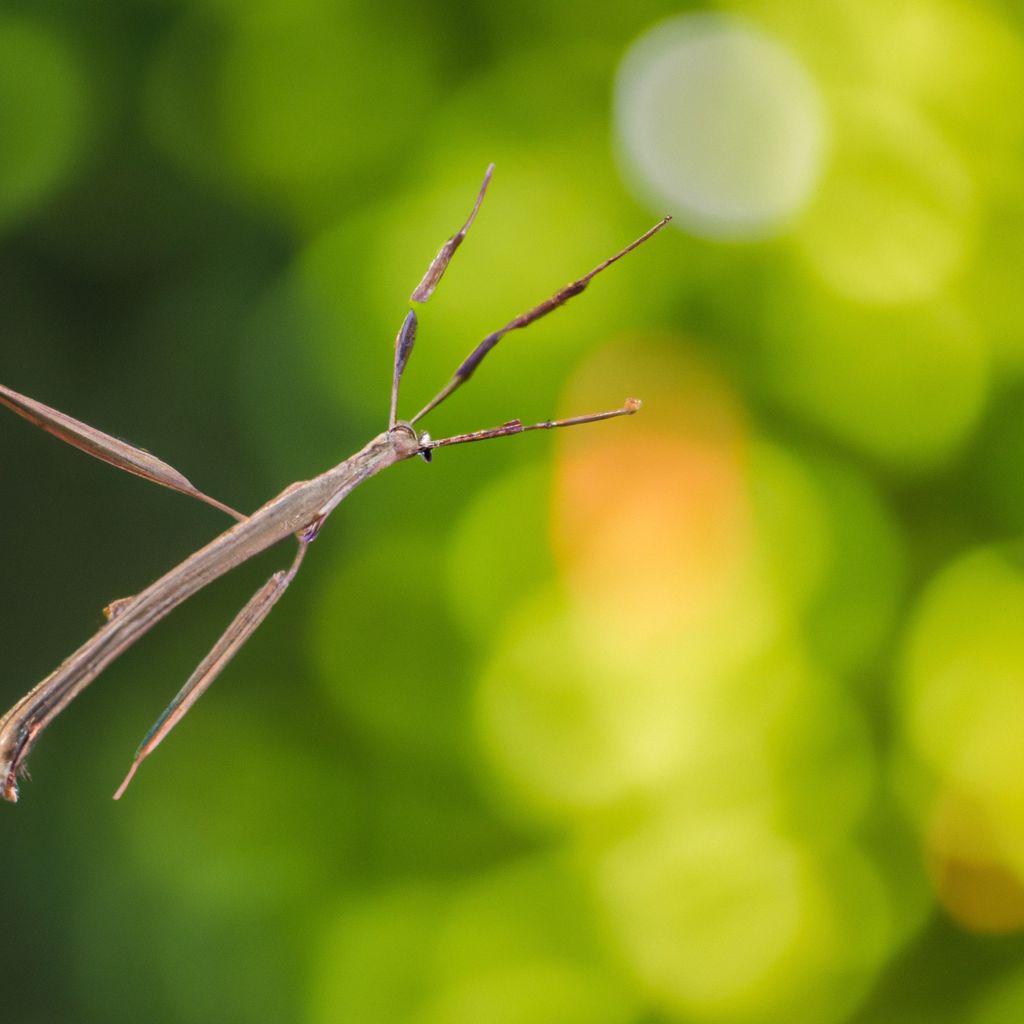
(300, 510)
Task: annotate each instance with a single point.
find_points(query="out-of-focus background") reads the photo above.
(710, 715)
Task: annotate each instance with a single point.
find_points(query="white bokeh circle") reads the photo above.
(719, 124)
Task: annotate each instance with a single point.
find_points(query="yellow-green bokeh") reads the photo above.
(709, 715)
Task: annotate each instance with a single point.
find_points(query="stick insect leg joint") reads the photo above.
(309, 533)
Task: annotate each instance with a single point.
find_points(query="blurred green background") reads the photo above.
(711, 715)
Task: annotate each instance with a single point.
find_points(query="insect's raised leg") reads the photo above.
(105, 447)
(404, 341)
(438, 265)
(242, 627)
(476, 357)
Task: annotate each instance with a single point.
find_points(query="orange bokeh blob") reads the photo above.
(970, 873)
(664, 550)
(668, 546)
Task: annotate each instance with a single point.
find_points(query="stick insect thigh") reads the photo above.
(296, 508)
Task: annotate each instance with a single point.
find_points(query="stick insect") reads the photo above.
(299, 511)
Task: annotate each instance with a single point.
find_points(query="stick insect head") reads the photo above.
(407, 441)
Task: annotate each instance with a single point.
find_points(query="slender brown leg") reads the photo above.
(242, 627)
(563, 295)
(438, 265)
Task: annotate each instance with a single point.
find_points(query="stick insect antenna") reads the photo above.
(476, 357)
(630, 406)
(438, 265)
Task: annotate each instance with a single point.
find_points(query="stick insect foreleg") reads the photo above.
(469, 365)
(422, 292)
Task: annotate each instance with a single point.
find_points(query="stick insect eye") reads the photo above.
(425, 453)
(405, 437)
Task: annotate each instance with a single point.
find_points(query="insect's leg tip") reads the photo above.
(10, 793)
(127, 779)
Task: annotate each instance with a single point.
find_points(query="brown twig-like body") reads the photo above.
(299, 510)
